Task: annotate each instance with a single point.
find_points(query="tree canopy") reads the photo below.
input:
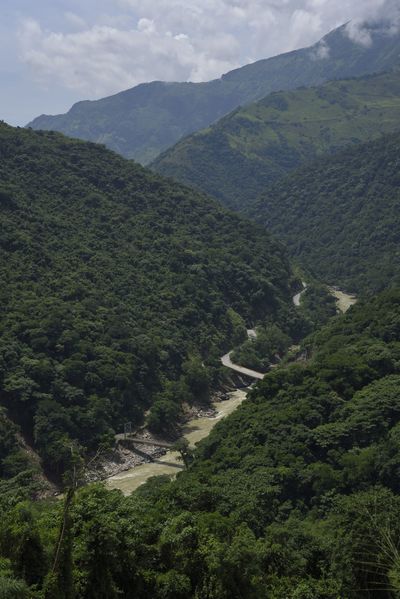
(296, 494)
(340, 216)
(114, 284)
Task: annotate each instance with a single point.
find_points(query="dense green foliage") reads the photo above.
(143, 121)
(20, 474)
(116, 288)
(235, 159)
(259, 352)
(271, 344)
(294, 495)
(340, 216)
(317, 304)
(120, 290)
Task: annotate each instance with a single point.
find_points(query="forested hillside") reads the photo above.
(340, 216)
(128, 300)
(235, 159)
(295, 495)
(119, 291)
(142, 122)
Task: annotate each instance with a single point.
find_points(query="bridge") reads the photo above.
(140, 441)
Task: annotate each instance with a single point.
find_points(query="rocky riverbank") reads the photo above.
(123, 458)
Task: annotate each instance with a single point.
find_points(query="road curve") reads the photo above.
(252, 334)
(344, 301)
(297, 297)
(226, 361)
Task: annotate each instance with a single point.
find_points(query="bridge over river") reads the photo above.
(140, 441)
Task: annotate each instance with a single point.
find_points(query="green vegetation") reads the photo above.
(294, 495)
(141, 122)
(242, 154)
(20, 475)
(259, 352)
(271, 344)
(119, 291)
(317, 304)
(340, 216)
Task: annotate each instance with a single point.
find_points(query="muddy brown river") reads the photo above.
(194, 431)
(343, 300)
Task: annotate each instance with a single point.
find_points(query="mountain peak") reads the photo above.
(143, 121)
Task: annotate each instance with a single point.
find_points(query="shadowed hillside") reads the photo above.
(340, 216)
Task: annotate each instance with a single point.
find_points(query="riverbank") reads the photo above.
(194, 431)
(344, 300)
(126, 456)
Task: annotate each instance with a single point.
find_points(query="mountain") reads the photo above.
(119, 291)
(143, 121)
(340, 216)
(235, 159)
(294, 495)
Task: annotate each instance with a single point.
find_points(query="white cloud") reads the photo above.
(358, 33)
(384, 12)
(144, 40)
(146, 26)
(320, 51)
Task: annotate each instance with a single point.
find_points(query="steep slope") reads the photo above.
(294, 495)
(340, 216)
(142, 122)
(116, 288)
(247, 150)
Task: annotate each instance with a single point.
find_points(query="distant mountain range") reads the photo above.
(246, 151)
(143, 121)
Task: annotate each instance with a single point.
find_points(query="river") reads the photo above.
(193, 431)
(343, 300)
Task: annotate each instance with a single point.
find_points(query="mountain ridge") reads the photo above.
(235, 159)
(143, 121)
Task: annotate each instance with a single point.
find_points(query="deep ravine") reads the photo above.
(199, 428)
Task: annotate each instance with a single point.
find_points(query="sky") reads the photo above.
(56, 52)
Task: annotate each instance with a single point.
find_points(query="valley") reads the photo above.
(200, 427)
(200, 360)
(144, 121)
(240, 156)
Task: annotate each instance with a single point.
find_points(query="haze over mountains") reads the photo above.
(254, 146)
(142, 122)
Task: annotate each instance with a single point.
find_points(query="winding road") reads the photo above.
(297, 297)
(251, 333)
(226, 361)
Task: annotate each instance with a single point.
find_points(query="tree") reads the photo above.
(185, 453)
